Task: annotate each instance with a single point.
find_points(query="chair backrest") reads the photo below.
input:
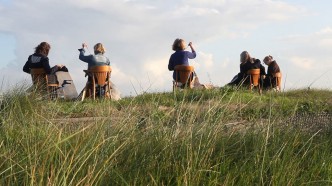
(254, 76)
(278, 76)
(38, 76)
(185, 73)
(100, 73)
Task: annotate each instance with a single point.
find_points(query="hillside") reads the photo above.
(208, 137)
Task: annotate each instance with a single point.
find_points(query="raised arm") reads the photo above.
(191, 55)
(82, 55)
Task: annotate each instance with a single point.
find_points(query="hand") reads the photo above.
(60, 66)
(190, 44)
(84, 45)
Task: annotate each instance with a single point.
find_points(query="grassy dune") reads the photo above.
(215, 137)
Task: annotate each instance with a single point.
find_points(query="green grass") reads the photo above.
(208, 137)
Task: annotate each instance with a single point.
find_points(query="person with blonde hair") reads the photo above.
(98, 59)
(272, 68)
(246, 63)
(180, 56)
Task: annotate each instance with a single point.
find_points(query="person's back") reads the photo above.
(98, 59)
(247, 63)
(273, 68)
(39, 59)
(180, 56)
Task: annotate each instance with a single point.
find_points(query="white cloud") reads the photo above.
(303, 63)
(138, 34)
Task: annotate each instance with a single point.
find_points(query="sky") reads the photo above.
(138, 35)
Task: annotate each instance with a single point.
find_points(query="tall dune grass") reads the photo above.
(217, 137)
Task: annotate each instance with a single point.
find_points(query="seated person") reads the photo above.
(247, 63)
(40, 60)
(97, 59)
(180, 56)
(273, 68)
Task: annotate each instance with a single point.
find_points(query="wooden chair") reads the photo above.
(98, 78)
(277, 77)
(254, 77)
(183, 75)
(43, 82)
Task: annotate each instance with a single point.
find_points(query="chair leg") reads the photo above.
(93, 88)
(260, 89)
(83, 94)
(85, 90)
(100, 91)
(251, 84)
(109, 89)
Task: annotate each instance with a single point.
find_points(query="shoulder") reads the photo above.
(257, 60)
(175, 53)
(44, 58)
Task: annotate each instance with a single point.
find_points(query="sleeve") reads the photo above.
(191, 55)
(26, 67)
(46, 65)
(243, 68)
(275, 68)
(262, 68)
(170, 64)
(82, 56)
(108, 62)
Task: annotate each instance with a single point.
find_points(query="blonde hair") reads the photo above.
(99, 48)
(179, 44)
(245, 56)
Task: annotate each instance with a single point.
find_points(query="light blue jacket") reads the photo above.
(93, 60)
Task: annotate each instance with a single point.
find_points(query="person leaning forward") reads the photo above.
(247, 63)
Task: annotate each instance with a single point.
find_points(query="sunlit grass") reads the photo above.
(208, 137)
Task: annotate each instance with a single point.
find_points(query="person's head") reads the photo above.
(43, 48)
(268, 59)
(244, 57)
(179, 44)
(99, 48)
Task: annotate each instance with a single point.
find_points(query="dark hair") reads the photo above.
(43, 48)
(269, 57)
(178, 45)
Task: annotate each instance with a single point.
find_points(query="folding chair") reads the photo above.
(277, 80)
(254, 77)
(43, 82)
(183, 75)
(98, 81)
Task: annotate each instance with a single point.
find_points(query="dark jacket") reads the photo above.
(269, 81)
(37, 61)
(272, 68)
(241, 77)
(180, 58)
